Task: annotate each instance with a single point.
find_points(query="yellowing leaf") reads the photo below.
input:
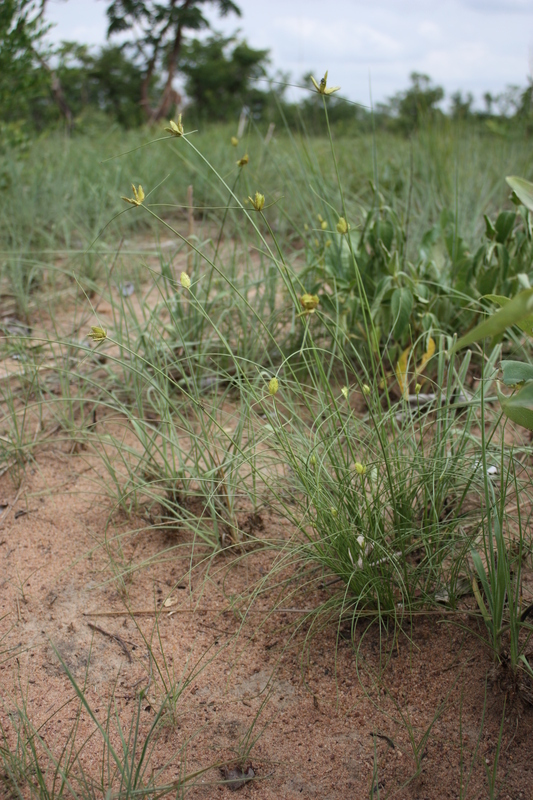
(430, 352)
(401, 371)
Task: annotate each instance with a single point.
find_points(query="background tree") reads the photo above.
(509, 101)
(106, 80)
(416, 104)
(219, 78)
(461, 107)
(160, 29)
(488, 98)
(22, 28)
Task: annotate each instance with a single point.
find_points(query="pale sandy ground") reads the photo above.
(315, 712)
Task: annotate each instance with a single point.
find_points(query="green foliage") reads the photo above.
(514, 312)
(523, 190)
(160, 20)
(518, 311)
(21, 30)
(220, 72)
(106, 81)
(417, 104)
(439, 289)
(461, 106)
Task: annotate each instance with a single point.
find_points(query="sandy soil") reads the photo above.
(327, 711)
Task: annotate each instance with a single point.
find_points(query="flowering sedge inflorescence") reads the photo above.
(309, 302)
(97, 334)
(258, 201)
(185, 280)
(273, 386)
(322, 87)
(175, 128)
(243, 161)
(138, 196)
(342, 226)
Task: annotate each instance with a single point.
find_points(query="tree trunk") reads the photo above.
(168, 92)
(57, 92)
(169, 95)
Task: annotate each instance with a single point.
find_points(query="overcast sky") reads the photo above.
(472, 45)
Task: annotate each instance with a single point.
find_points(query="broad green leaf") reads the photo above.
(519, 406)
(385, 232)
(504, 225)
(488, 277)
(514, 312)
(401, 306)
(523, 189)
(516, 372)
(490, 230)
(525, 325)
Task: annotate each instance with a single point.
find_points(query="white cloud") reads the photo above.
(499, 6)
(354, 43)
(429, 30)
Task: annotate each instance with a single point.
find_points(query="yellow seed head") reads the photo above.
(243, 161)
(334, 512)
(185, 280)
(258, 201)
(309, 303)
(359, 468)
(312, 462)
(322, 87)
(342, 226)
(366, 389)
(328, 242)
(417, 388)
(344, 391)
(273, 386)
(306, 226)
(324, 225)
(97, 334)
(234, 141)
(138, 196)
(175, 128)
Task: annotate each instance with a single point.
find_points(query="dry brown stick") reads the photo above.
(132, 613)
(445, 612)
(171, 611)
(114, 636)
